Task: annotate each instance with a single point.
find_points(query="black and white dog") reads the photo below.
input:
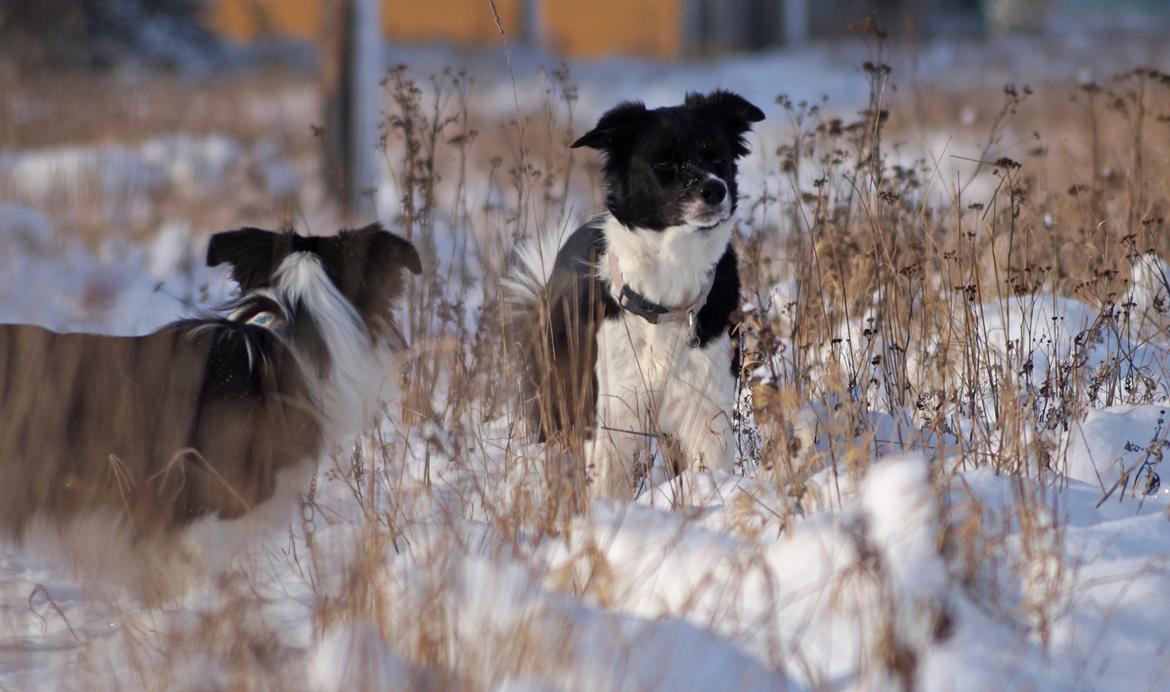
(626, 332)
(209, 417)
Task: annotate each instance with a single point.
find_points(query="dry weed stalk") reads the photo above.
(892, 273)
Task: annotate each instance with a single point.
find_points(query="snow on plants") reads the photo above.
(951, 467)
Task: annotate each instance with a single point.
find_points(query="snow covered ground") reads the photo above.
(435, 557)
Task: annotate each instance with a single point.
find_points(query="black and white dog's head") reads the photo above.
(673, 166)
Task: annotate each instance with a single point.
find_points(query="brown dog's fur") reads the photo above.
(122, 423)
(199, 418)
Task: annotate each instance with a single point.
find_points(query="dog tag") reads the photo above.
(693, 337)
(267, 320)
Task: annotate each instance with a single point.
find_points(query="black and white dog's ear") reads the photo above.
(728, 104)
(253, 253)
(732, 110)
(616, 127)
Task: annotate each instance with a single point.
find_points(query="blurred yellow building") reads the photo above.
(582, 28)
(663, 29)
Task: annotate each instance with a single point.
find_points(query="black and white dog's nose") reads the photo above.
(713, 191)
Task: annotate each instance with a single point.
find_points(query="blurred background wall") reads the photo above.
(662, 29)
(101, 31)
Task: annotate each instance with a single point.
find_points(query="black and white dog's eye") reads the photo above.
(667, 170)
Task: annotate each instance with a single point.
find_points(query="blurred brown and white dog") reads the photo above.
(217, 417)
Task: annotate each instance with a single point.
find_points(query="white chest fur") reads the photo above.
(669, 267)
(650, 381)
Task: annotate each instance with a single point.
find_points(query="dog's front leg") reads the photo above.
(622, 416)
(611, 461)
(697, 405)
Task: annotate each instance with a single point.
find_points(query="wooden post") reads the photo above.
(350, 62)
(531, 24)
(692, 39)
(795, 22)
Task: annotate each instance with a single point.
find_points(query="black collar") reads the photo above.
(635, 303)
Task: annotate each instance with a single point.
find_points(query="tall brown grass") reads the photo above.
(892, 264)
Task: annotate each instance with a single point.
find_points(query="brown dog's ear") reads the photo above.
(253, 253)
(383, 249)
(615, 128)
(369, 266)
(734, 111)
(407, 253)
